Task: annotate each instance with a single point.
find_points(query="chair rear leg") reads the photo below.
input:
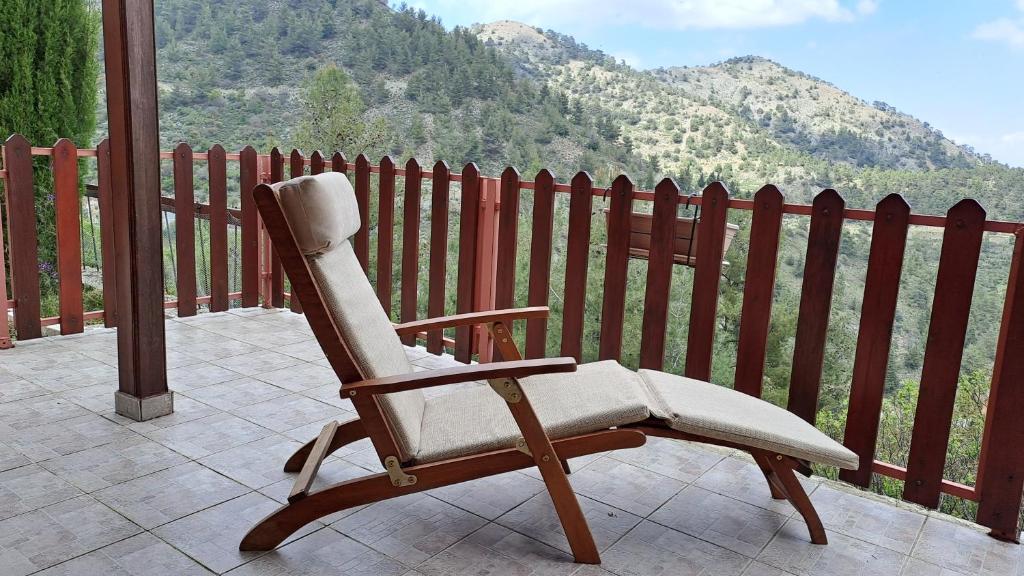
(783, 467)
(347, 433)
(567, 506)
(762, 461)
(565, 466)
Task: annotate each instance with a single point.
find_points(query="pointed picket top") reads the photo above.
(892, 207)
(296, 155)
(16, 140)
(769, 197)
(362, 159)
(65, 148)
(441, 166)
(470, 171)
(216, 149)
(714, 193)
(666, 186)
(412, 165)
(622, 185)
(247, 151)
(546, 176)
(316, 162)
(182, 150)
(582, 178)
(338, 162)
(828, 198)
(966, 213)
(387, 163)
(510, 172)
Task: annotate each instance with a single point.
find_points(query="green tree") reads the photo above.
(48, 89)
(333, 116)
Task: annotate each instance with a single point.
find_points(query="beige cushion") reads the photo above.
(697, 407)
(475, 419)
(321, 210)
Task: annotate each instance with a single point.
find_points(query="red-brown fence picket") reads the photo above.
(68, 211)
(659, 276)
(577, 261)
(613, 307)
(704, 300)
(385, 231)
(410, 246)
(217, 173)
(540, 261)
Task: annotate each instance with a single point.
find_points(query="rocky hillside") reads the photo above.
(728, 113)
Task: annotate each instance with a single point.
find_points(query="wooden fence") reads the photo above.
(489, 236)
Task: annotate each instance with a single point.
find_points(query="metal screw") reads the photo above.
(545, 458)
(778, 457)
(351, 392)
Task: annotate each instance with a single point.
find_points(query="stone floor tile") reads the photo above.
(651, 550)
(235, 393)
(140, 555)
(410, 528)
(169, 494)
(53, 439)
(185, 410)
(624, 486)
(684, 461)
(31, 487)
(915, 567)
(741, 479)
(217, 348)
(178, 357)
(257, 362)
(322, 552)
(31, 412)
(256, 464)
(90, 372)
(98, 398)
(537, 519)
(310, 431)
(308, 350)
(48, 536)
(301, 377)
(498, 551)
(758, 569)
(492, 496)
(11, 458)
(120, 461)
(212, 536)
(18, 389)
(721, 520)
(328, 394)
(195, 376)
(332, 471)
(867, 519)
(209, 435)
(286, 413)
(363, 454)
(792, 551)
(968, 550)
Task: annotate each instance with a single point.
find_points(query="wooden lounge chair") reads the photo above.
(533, 412)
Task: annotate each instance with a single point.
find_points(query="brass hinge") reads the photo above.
(398, 476)
(522, 446)
(507, 388)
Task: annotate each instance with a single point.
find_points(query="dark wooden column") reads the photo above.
(130, 58)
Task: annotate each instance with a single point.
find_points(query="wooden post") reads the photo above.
(659, 276)
(947, 332)
(217, 170)
(540, 260)
(185, 229)
(385, 231)
(700, 339)
(107, 240)
(758, 290)
(466, 281)
(507, 245)
(249, 177)
(878, 311)
(5, 329)
(577, 262)
(613, 308)
(130, 59)
(68, 209)
(437, 273)
(1001, 471)
(815, 303)
(411, 245)
(276, 287)
(21, 218)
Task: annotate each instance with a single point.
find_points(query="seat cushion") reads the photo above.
(704, 409)
(475, 419)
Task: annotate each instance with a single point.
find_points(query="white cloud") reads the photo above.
(1013, 137)
(675, 14)
(1005, 30)
(1009, 31)
(867, 7)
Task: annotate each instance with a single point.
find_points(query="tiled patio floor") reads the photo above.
(83, 491)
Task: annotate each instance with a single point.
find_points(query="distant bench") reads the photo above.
(684, 239)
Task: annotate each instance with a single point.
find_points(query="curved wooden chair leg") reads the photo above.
(783, 469)
(347, 433)
(565, 466)
(762, 461)
(286, 520)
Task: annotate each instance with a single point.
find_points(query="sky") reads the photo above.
(957, 64)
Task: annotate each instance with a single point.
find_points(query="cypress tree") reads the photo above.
(48, 89)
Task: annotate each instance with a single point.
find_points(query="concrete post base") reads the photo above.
(142, 409)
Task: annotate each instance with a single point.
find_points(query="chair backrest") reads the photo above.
(322, 214)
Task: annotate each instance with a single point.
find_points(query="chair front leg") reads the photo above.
(782, 469)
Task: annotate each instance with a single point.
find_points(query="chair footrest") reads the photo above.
(313, 462)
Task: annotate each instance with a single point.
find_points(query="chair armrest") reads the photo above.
(459, 374)
(470, 319)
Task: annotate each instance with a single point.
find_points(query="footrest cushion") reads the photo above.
(720, 413)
